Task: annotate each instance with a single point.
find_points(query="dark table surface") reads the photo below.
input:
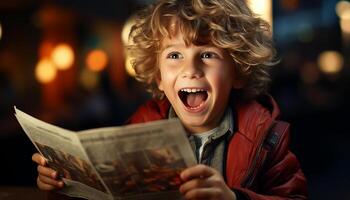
(19, 193)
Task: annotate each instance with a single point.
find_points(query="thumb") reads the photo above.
(39, 159)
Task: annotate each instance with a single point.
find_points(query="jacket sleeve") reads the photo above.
(280, 177)
(280, 183)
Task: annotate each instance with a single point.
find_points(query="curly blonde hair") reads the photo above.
(228, 24)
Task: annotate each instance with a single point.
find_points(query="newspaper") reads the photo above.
(141, 161)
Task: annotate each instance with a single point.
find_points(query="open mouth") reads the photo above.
(193, 98)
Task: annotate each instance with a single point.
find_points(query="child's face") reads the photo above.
(197, 80)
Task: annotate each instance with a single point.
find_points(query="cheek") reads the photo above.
(222, 77)
(167, 78)
(168, 72)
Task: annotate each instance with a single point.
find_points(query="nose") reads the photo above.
(192, 69)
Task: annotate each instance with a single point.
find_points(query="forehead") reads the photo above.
(177, 39)
(179, 30)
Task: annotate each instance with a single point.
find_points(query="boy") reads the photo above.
(206, 62)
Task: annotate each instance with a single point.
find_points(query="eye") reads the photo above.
(209, 55)
(174, 55)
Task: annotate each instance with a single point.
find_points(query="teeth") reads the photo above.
(192, 90)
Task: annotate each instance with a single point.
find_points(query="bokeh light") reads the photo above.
(345, 25)
(343, 9)
(126, 30)
(96, 60)
(63, 56)
(45, 71)
(126, 41)
(330, 62)
(263, 8)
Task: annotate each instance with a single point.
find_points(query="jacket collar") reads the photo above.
(254, 115)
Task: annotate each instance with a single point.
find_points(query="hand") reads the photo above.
(203, 182)
(47, 177)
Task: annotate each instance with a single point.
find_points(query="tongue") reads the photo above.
(195, 99)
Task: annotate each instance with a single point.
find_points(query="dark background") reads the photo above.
(314, 102)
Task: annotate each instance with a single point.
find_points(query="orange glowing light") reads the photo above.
(45, 71)
(345, 25)
(330, 62)
(63, 56)
(45, 49)
(343, 9)
(96, 60)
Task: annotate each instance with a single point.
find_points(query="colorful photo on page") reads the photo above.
(71, 167)
(144, 171)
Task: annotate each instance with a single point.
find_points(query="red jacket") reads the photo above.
(276, 175)
(250, 171)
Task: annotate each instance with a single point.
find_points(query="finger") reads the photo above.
(39, 159)
(203, 193)
(197, 171)
(44, 186)
(193, 184)
(46, 171)
(44, 180)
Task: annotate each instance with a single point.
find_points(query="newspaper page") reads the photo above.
(64, 153)
(141, 161)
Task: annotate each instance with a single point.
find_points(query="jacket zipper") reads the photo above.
(254, 167)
